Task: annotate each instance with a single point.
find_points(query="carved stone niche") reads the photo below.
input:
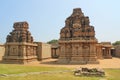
(87, 21)
(86, 49)
(76, 25)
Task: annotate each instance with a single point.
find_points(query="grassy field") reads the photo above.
(111, 74)
(16, 69)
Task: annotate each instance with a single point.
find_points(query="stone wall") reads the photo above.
(43, 50)
(2, 50)
(99, 51)
(46, 51)
(117, 51)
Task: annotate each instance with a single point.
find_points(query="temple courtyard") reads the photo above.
(22, 58)
(50, 70)
(104, 63)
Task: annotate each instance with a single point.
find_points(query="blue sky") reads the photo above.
(47, 17)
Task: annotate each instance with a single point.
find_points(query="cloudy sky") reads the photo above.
(47, 17)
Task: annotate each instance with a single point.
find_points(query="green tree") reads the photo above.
(52, 41)
(116, 43)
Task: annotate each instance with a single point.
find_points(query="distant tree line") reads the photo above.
(116, 43)
(53, 41)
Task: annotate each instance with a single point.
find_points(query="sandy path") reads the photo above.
(105, 63)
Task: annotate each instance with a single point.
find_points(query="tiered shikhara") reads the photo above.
(19, 47)
(77, 40)
(20, 33)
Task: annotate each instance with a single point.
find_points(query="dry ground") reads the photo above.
(104, 63)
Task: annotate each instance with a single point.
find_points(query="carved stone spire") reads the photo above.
(77, 11)
(19, 46)
(20, 33)
(77, 40)
(77, 27)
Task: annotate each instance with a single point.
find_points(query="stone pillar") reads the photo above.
(107, 53)
(93, 55)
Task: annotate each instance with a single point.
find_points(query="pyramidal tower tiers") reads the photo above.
(19, 46)
(77, 40)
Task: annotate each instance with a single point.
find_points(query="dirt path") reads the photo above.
(105, 63)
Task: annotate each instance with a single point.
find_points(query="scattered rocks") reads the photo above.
(3, 75)
(89, 72)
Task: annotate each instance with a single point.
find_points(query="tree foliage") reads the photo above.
(52, 41)
(116, 43)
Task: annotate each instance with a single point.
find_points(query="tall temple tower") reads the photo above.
(77, 40)
(19, 46)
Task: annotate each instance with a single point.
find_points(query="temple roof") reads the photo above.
(20, 33)
(77, 26)
(77, 11)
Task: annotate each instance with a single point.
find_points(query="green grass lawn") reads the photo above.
(111, 74)
(58, 76)
(16, 69)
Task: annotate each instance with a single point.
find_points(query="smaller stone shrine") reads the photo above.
(19, 46)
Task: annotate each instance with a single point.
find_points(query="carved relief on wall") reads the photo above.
(68, 49)
(65, 33)
(76, 26)
(86, 49)
(28, 49)
(14, 50)
(62, 48)
(75, 48)
(31, 50)
(20, 50)
(76, 33)
(62, 35)
(34, 51)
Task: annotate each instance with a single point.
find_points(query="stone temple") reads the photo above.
(20, 48)
(78, 43)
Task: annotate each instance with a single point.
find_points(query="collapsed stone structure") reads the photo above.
(19, 46)
(89, 72)
(78, 43)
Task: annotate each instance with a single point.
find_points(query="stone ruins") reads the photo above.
(78, 43)
(89, 72)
